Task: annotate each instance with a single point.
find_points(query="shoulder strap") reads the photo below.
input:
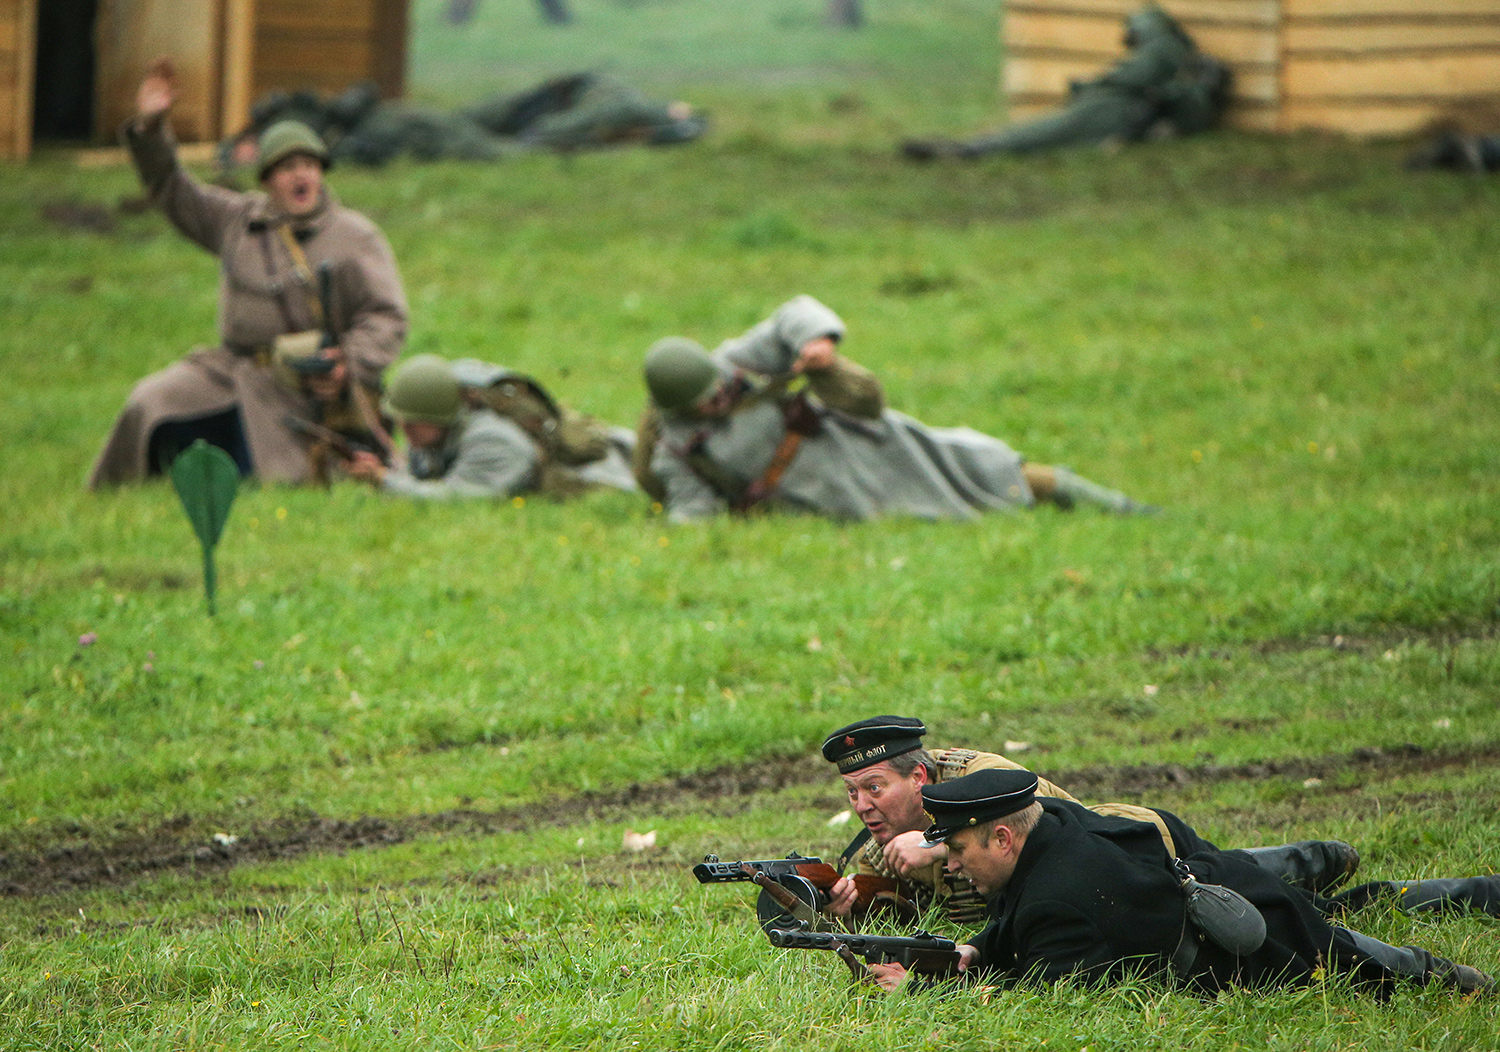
(860, 840)
(304, 271)
(763, 487)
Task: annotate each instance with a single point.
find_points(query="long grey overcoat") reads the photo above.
(262, 294)
(866, 461)
(485, 454)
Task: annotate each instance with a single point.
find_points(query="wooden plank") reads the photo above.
(388, 46)
(1088, 34)
(1048, 76)
(236, 66)
(1063, 31)
(130, 34)
(1236, 44)
(1256, 12)
(1389, 8)
(1361, 120)
(1251, 117)
(118, 156)
(1400, 77)
(320, 59)
(1366, 37)
(9, 26)
(354, 16)
(1085, 67)
(23, 81)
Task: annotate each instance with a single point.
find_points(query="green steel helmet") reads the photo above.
(423, 391)
(284, 138)
(679, 373)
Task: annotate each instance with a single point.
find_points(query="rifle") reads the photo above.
(922, 953)
(344, 447)
(318, 364)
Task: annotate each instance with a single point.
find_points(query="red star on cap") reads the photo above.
(848, 739)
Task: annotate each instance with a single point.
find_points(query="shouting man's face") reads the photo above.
(888, 803)
(295, 184)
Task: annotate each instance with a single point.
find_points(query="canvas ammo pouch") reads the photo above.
(566, 436)
(289, 351)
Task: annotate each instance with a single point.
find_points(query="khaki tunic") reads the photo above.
(262, 294)
(961, 900)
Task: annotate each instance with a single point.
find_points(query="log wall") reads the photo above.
(17, 73)
(226, 52)
(1356, 66)
(131, 34)
(330, 45)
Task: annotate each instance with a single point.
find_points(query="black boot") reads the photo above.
(1480, 894)
(1313, 865)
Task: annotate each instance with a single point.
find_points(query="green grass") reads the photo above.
(1290, 344)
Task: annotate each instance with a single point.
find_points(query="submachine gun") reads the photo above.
(317, 364)
(922, 953)
(794, 890)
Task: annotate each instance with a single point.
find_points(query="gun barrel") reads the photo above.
(921, 952)
(325, 302)
(712, 871)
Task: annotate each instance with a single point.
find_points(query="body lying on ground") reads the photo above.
(479, 430)
(1096, 898)
(1164, 88)
(732, 431)
(884, 767)
(576, 111)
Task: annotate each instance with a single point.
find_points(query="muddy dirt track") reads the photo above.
(171, 846)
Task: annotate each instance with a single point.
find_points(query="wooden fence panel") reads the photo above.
(17, 75)
(1361, 66)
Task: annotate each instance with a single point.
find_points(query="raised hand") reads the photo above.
(158, 91)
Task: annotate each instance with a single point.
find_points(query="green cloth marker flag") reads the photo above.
(206, 479)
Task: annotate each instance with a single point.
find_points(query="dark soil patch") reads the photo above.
(1104, 782)
(79, 215)
(170, 847)
(1376, 643)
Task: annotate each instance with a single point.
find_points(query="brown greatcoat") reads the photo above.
(263, 294)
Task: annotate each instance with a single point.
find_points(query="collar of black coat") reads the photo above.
(263, 216)
(1059, 815)
(1042, 836)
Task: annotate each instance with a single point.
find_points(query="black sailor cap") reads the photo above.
(979, 797)
(868, 742)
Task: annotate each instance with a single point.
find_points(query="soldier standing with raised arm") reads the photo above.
(272, 246)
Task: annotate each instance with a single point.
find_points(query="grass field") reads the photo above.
(429, 727)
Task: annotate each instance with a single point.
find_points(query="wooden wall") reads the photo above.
(1387, 66)
(17, 53)
(1356, 66)
(227, 53)
(1049, 42)
(330, 44)
(130, 34)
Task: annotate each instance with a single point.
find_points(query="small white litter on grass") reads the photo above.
(634, 841)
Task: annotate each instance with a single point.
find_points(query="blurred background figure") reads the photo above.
(1166, 87)
(572, 112)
